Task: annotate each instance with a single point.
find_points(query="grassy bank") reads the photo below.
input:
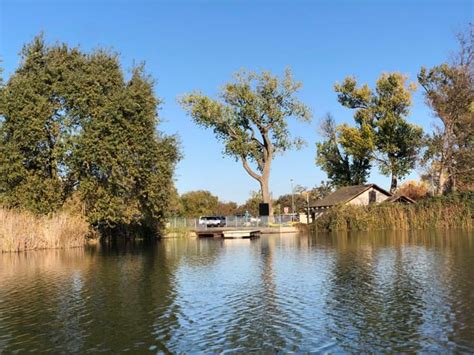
(21, 230)
(441, 212)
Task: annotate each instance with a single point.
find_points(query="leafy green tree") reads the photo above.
(397, 142)
(299, 200)
(34, 132)
(227, 208)
(320, 191)
(175, 207)
(302, 196)
(251, 119)
(73, 124)
(124, 166)
(346, 153)
(199, 203)
(251, 205)
(449, 92)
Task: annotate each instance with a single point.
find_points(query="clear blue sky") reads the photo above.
(190, 45)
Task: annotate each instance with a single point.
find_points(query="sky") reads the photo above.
(198, 45)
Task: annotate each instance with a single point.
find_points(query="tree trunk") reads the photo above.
(450, 186)
(439, 182)
(266, 198)
(393, 185)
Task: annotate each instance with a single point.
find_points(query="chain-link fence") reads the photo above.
(231, 222)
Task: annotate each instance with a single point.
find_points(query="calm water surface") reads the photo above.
(339, 292)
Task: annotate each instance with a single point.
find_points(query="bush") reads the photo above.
(416, 190)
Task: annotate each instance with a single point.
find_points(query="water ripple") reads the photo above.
(333, 293)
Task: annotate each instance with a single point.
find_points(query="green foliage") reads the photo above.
(286, 201)
(320, 191)
(454, 211)
(72, 122)
(251, 205)
(302, 196)
(199, 203)
(254, 103)
(396, 142)
(251, 119)
(227, 208)
(34, 132)
(346, 153)
(449, 93)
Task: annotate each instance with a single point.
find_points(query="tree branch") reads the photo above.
(249, 169)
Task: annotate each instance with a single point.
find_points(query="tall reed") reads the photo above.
(452, 212)
(21, 230)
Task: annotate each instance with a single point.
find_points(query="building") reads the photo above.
(359, 195)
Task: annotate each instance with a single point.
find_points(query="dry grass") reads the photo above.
(452, 212)
(21, 230)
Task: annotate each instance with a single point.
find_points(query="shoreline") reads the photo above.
(24, 231)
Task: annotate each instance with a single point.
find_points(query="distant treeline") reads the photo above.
(204, 203)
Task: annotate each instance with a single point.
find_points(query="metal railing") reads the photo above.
(232, 222)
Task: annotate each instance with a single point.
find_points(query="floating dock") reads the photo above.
(228, 233)
(241, 234)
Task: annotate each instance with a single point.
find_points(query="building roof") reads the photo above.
(399, 198)
(347, 193)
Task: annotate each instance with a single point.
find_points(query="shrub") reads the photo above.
(416, 190)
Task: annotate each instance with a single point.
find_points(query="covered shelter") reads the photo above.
(359, 195)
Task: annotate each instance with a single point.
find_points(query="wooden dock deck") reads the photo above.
(228, 233)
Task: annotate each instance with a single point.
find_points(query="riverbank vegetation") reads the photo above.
(23, 230)
(454, 211)
(74, 124)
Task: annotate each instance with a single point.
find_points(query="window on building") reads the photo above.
(372, 197)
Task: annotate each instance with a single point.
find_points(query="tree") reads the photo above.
(227, 208)
(299, 200)
(320, 191)
(175, 206)
(397, 142)
(251, 205)
(73, 125)
(346, 153)
(35, 130)
(199, 203)
(302, 196)
(416, 190)
(251, 119)
(449, 92)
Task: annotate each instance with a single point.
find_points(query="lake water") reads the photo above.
(327, 292)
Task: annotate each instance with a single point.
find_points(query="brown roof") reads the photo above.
(345, 194)
(399, 198)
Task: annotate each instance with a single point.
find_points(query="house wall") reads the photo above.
(363, 198)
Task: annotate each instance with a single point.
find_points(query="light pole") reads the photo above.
(307, 206)
(292, 200)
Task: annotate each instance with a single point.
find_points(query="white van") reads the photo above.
(211, 221)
